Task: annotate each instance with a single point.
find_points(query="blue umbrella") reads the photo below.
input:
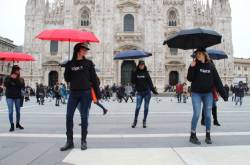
(214, 54)
(132, 54)
(193, 38)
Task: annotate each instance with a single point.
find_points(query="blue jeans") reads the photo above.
(207, 100)
(10, 104)
(83, 98)
(146, 95)
(238, 99)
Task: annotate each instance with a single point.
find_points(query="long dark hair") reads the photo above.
(74, 56)
(76, 50)
(138, 68)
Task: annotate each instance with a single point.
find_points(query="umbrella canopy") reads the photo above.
(70, 35)
(13, 56)
(215, 54)
(132, 54)
(193, 38)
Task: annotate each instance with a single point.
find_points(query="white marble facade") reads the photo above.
(122, 25)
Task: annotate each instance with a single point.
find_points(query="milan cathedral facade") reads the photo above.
(121, 25)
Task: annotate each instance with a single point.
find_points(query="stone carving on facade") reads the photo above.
(85, 2)
(173, 2)
(129, 3)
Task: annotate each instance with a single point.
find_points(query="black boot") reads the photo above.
(216, 123)
(214, 112)
(202, 122)
(84, 142)
(208, 138)
(134, 124)
(19, 126)
(193, 139)
(84, 145)
(105, 111)
(144, 124)
(69, 144)
(12, 127)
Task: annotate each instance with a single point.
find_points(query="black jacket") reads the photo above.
(142, 80)
(82, 76)
(203, 77)
(13, 87)
(239, 91)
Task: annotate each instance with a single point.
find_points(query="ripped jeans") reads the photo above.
(207, 100)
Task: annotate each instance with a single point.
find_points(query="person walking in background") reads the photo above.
(226, 87)
(129, 92)
(239, 93)
(143, 85)
(185, 92)
(14, 84)
(57, 94)
(22, 92)
(1, 88)
(41, 94)
(203, 76)
(179, 91)
(81, 75)
(232, 88)
(214, 109)
(63, 93)
(37, 96)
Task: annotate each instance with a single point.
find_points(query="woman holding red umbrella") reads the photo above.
(14, 85)
(80, 74)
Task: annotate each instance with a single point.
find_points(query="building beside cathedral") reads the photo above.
(121, 25)
(6, 45)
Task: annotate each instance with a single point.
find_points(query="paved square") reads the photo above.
(111, 138)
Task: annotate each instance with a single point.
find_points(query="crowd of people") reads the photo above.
(83, 88)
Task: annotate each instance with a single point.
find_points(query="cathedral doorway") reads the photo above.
(53, 78)
(173, 78)
(127, 68)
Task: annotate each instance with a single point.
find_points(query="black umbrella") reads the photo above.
(193, 38)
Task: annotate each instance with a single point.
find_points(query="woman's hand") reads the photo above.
(193, 64)
(14, 76)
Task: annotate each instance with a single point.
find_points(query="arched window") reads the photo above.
(172, 18)
(53, 47)
(129, 23)
(85, 17)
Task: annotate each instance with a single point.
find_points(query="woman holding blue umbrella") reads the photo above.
(143, 85)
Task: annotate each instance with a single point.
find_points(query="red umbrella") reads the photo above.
(70, 35)
(67, 35)
(13, 56)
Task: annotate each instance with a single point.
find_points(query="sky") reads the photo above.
(12, 14)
